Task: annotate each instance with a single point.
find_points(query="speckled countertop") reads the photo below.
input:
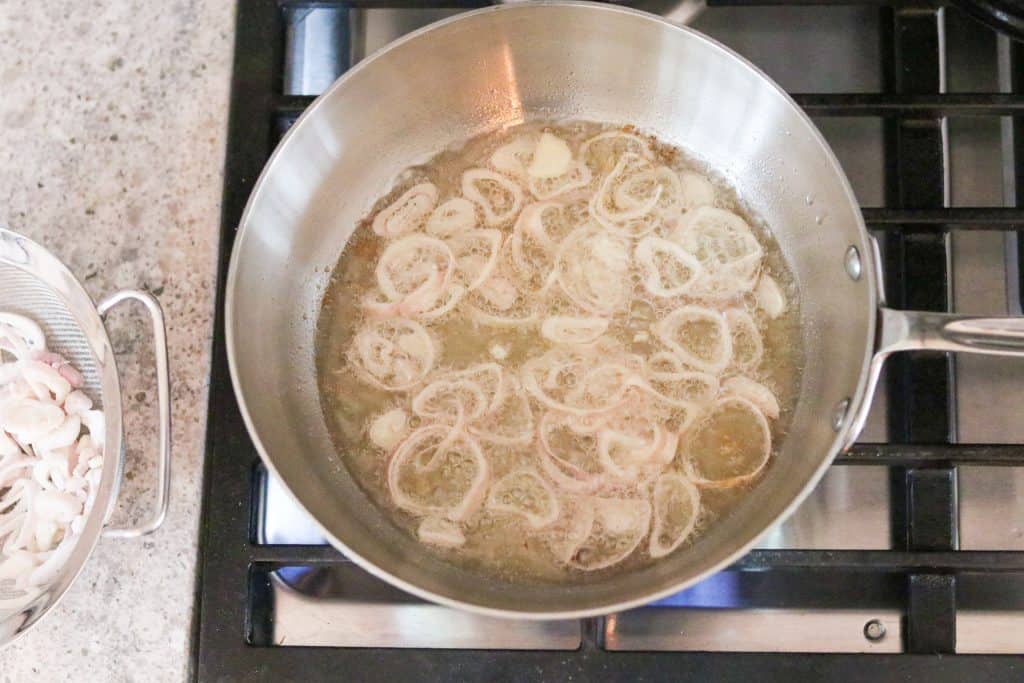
(112, 125)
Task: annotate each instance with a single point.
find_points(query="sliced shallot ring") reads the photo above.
(726, 246)
(638, 144)
(513, 157)
(452, 217)
(471, 499)
(576, 177)
(530, 383)
(719, 360)
(493, 239)
(671, 491)
(441, 389)
(501, 490)
(586, 254)
(747, 347)
(755, 392)
(564, 474)
(398, 250)
(441, 532)
(515, 428)
(492, 217)
(629, 518)
(567, 330)
(693, 443)
(419, 350)
(406, 213)
(486, 318)
(613, 220)
(696, 190)
(654, 281)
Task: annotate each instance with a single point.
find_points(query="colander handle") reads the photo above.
(163, 392)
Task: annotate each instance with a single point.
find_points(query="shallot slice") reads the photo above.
(696, 190)
(669, 270)
(476, 255)
(592, 269)
(415, 271)
(567, 455)
(389, 428)
(747, 347)
(447, 400)
(619, 525)
(565, 330)
(769, 296)
(513, 157)
(524, 493)
(408, 212)
(20, 335)
(452, 217)
(393, 355)
(448, 452)
(441, 532)
(730, 446)
(602, 151)
(498, 197)
(726, 247)
(510, 421)
(755, 392)
(576, 176)
(551, 157)
(699, 336)
(676, 503)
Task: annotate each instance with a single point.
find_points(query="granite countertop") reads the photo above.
(112, 126)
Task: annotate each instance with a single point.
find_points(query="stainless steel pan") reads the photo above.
(500, 66)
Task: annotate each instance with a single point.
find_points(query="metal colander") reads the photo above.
(33, 283)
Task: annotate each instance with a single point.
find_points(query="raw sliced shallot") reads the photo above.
(408, 212)
(452, 217)
(439, 471)
(676, 503)
(730, 446)
(568, 454)
(394, 354)
(698, 335)
(51, 457)
(618, 527)
(565, 330)
(636, 197)
(526, 494)
(755, 392)
(669, 270)
(498, 197)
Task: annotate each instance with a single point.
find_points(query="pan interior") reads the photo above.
(495, 68)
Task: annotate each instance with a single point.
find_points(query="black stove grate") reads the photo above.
(922, 459)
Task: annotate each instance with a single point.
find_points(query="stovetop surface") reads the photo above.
(303, 597)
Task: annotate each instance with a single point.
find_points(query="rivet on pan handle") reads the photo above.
(163, 390)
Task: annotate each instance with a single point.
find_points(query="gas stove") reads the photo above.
(911, 548)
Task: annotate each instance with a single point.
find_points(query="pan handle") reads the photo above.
(163, 392)
(928, 331)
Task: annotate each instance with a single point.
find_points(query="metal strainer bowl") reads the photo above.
(35, 284)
